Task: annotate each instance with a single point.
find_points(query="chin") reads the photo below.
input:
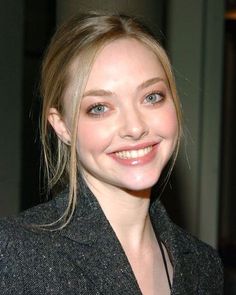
(140, 183)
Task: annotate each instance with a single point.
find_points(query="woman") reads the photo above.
(110, 123)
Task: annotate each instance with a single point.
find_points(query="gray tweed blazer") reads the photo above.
(87, 258)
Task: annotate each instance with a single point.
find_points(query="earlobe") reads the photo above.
(59, 125)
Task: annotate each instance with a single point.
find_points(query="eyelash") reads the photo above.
(156, 93)
(92, 107)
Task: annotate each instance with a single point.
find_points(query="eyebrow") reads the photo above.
(150, 82)
(98, 92)
(103, 92)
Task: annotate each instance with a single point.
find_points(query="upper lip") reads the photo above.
(134, 147)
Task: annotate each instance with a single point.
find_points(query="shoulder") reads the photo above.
(21, 243)
(204, 258)
(203, 251)
(15, 225)
(180, 242)
(44, 213)
(196, 263)
(15, 229)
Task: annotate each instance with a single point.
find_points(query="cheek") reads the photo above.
(93, 137)
(172, 122)
(168, 122)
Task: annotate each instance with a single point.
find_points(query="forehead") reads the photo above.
(125, 58)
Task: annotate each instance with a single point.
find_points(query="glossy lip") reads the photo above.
(136, 161)
(134, 147)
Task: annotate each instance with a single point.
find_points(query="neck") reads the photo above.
(127, 212)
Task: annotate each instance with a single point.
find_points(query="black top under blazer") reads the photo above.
(87, 258)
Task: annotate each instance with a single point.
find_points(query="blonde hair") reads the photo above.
(81, 38)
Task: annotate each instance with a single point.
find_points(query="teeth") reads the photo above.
(133, 154)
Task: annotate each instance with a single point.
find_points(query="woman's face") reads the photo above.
(127, 127)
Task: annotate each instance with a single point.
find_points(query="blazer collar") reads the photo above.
(100, 255)
(180, 247)
(102, 252)
(86, 223)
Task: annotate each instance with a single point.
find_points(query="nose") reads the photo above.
(133, 125)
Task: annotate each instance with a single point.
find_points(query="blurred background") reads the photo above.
(200, 38)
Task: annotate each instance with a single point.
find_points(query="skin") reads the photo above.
(127, 106)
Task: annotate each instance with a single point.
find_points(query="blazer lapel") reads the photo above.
(185, 280)
(97, 251)
(178, 245)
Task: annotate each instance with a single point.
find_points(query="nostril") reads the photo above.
(133, 132)
(133, 124)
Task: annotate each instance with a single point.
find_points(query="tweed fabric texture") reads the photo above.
(87, 258)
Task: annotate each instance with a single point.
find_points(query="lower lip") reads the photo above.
(137, 161)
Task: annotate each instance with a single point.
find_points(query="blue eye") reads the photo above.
(98, 109)
(154, 98)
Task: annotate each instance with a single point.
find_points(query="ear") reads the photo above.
(58, 124)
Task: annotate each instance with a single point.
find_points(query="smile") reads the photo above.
(134, 154)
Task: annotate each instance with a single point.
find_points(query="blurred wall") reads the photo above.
(11, 76)
(151, 11)
(195, 34)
